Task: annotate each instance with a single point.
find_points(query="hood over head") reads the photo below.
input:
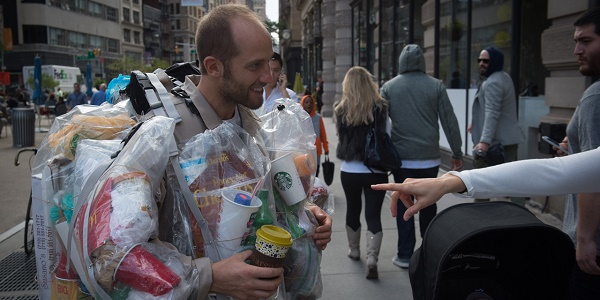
(314, 104)
(496, 61)
(411, 59)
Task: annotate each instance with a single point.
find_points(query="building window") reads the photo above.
(136, 1)
(178, 22)
(76, 39)
(125, 14)
(97, 42)
(113, 46)
(136, 37)
(57, 37)
(453, 49)
(136, 17)
(177, 8)
(35, 34)
(111, 14)
(127, 35)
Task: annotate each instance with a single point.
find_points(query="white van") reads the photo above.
(66, 76)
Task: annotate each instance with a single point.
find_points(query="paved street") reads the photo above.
(342, 277)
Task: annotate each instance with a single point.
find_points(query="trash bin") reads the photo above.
(23, 127)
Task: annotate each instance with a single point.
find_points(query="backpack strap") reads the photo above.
(162, 101)
(210, 244)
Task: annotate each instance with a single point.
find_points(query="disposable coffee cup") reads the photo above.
(286, 179)
(235, 220)
(272, 244)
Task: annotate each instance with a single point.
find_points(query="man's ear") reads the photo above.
(214, 67)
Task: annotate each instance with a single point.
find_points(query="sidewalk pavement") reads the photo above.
(342, 277)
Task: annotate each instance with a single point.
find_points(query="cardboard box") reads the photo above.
(44, 238)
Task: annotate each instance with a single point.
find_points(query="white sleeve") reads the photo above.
(293, 95)
(577, 173)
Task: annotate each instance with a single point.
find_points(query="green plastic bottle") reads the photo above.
(263, 217)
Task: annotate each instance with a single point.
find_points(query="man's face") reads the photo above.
(248, 72)
(76, 88)
(587, 50)
(483, 61)
(275, 72)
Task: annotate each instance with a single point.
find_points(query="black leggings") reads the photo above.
(354, 184)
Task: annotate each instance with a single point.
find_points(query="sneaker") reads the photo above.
(401, 262)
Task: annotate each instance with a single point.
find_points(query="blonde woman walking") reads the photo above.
(355, 115)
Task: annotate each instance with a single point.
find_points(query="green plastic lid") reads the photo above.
(275, 235)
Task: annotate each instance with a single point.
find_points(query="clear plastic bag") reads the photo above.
(290, 141)
(104, 122)
(224, 158)
(120, 216)
(322, 196)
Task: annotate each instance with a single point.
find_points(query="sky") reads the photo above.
(272, 8)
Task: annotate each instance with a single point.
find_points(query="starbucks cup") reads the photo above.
(286, 179)
(235, 220)
(272, 244)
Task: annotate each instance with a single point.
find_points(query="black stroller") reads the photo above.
(491, 250)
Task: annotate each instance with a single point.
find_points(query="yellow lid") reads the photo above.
(275, 235)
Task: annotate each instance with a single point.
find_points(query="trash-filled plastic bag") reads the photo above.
(120, 216)
(104, 122)
(213, 162)
(290, 141)
(322, 196)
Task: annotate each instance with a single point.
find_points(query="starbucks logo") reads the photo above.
(283, 180)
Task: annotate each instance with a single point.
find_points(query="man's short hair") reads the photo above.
(214, 36)
(277, 57)
(591, 16)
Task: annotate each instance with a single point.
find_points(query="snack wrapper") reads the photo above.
(226, 157)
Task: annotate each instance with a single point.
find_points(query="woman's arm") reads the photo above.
(536, 177)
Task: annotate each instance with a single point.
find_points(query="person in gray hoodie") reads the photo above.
(416, 102)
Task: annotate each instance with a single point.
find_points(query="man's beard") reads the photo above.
(235, 92)
(590, 70)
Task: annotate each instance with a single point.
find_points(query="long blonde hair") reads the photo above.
(359, 95)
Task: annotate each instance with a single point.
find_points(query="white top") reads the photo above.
(576, 173)
(270, 101)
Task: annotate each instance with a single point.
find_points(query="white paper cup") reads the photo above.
(286, 179)
(234, 221)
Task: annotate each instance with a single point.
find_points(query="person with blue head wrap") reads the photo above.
(495, 128)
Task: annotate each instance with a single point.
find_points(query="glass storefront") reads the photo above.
(452, 33)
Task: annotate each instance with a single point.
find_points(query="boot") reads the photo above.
(373, 246)
(353, 243)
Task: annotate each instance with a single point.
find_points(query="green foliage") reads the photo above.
(48, 82)
(97, 82)
(273, 26)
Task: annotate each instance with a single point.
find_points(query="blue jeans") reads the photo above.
(406, 229)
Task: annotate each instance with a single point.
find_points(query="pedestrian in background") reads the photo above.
(277, 87)
(355, 115)
(417, 101)
(100, 96)
(494, 120)
(582, 212)
(321, 143)
(76, 97)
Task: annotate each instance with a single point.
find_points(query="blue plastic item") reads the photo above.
(114, 86)
(242, 199)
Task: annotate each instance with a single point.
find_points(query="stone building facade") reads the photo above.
(536, 38)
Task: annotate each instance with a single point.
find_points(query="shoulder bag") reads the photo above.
(380, 152)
